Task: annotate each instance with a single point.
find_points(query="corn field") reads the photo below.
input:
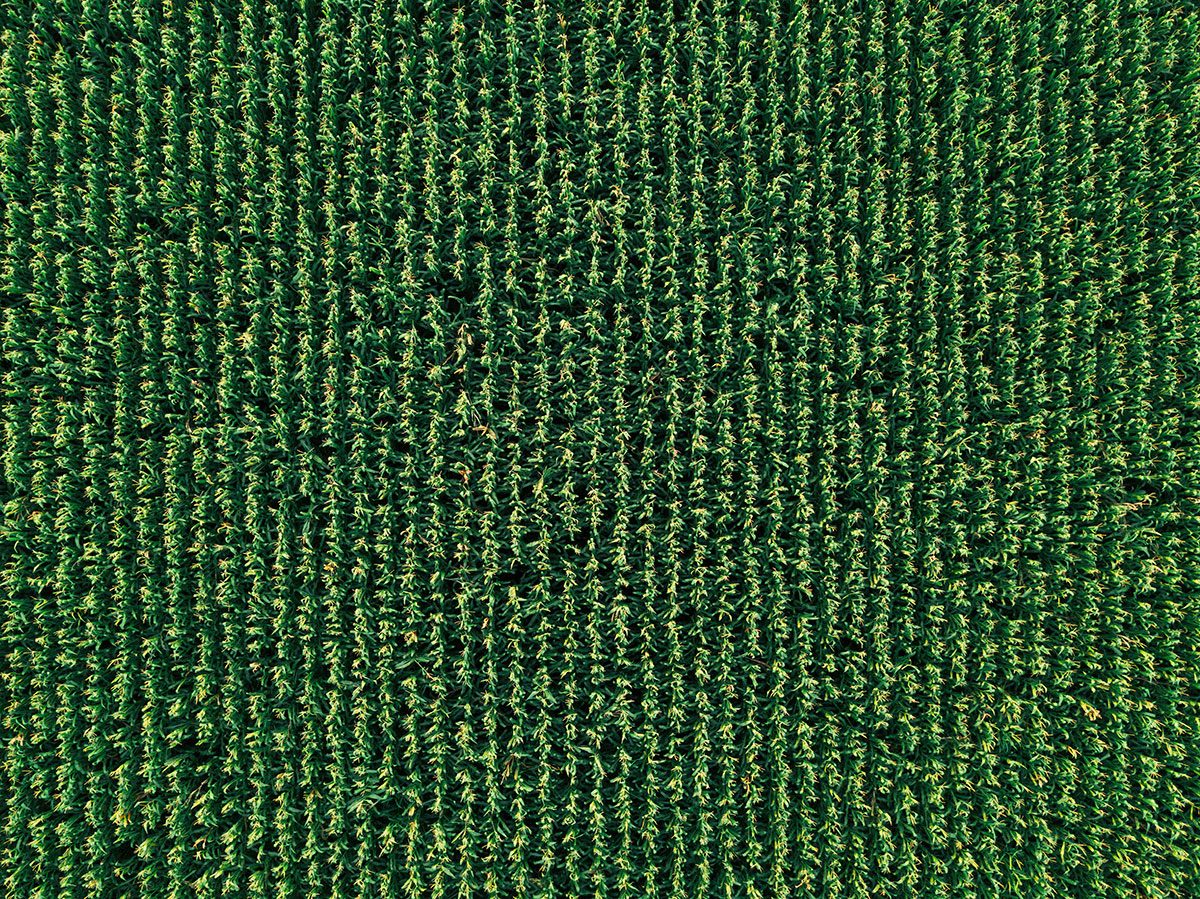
(531, 448)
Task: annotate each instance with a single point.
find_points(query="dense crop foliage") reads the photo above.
(616, 449)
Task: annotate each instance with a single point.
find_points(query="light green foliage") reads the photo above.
(740, 448)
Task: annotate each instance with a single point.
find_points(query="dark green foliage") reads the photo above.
(484, 449)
